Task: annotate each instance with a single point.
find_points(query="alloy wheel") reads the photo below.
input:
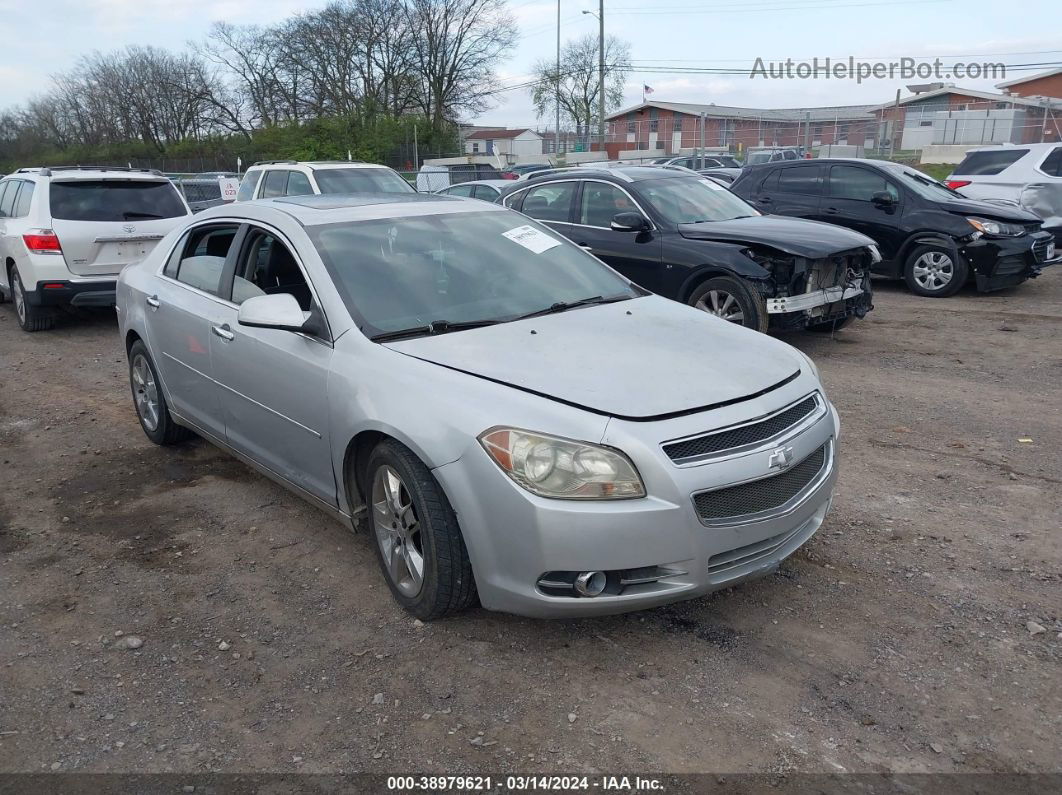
(398, 531)
(933, 270)
(145, 393)
(721, 304)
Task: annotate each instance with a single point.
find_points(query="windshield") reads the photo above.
(757, 157)
(928, 187)
(687, 200)
(398, 273)
(115, 200)
(360, 180)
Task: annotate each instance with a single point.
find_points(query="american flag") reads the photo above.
(647, 89)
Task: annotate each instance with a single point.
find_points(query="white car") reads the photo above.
(271, 179)
(1029, 175)
(67, 232)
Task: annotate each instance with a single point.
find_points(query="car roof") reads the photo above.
(618, 173)
(91, 172)
(317, 165)
(329, 209)
(1037, 147)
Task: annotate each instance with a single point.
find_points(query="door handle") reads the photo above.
(831, 211)
(224, 332)
(764, 200)
(153, 302)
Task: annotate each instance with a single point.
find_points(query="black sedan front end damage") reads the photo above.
(806, 293)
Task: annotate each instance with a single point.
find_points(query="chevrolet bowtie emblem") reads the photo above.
(781, 458)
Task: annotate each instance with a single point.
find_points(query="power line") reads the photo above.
(745, 8)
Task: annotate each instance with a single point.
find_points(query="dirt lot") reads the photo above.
(897, 639)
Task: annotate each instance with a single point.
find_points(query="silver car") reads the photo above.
(515, 421)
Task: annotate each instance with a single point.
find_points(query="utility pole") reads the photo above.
(601, 73)
(895, 126)
(556, 137)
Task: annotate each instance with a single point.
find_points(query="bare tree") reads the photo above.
(457, 44)
(578, 79)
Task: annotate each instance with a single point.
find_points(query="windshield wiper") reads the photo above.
(430, 329)
(132, 214)
(564, 306)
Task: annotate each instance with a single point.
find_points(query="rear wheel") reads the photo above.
(151, 408)
(733, 300)
(30, 318)
(934, 272)
(418, 541)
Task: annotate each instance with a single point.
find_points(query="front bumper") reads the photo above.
(515, 538)
(998, 263)
(71, 293)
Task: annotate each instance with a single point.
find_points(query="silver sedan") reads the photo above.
(515, 422)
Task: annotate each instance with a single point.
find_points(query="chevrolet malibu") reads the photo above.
(515, 422)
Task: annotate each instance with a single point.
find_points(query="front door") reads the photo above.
(849, 202)
(637, 255)
(274, 383)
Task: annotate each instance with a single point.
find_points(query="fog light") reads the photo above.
(590, 583)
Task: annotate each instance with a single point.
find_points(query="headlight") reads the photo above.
(811, 365)
(562, 468)
(996, 228)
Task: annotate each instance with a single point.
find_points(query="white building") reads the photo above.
(504, 142)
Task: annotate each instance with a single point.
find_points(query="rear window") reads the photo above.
(988, 163)
(114, 200)
(361, 180)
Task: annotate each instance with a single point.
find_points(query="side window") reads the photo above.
(460, 190)
(549, 202)
(799, 179)
(247, 185)
(514, 200)
(298, 184)
(275, 183)
(1052, 166)
(485, 192)
(200, 258)
(860, 184)
(600, 202)
(267, 267)
(22, 204)
(8, 189)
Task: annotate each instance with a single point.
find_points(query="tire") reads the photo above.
(30, 318)
(731, 299)
(410, 518)
(149, 400)
(830, 326)
(934, 272)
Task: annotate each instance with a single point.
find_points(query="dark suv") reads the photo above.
(927, 233)
(688, 238)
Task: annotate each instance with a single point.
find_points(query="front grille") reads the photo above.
(1040, 249)
(743, 435)
(759, 496)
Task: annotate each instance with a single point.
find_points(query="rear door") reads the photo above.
(794, 190)
(105, 224)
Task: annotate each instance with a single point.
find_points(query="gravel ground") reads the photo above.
(170, 610)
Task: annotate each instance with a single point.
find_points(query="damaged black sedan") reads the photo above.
(690, 239)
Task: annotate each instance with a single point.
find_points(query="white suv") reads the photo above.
(271, 178)
(67, 232)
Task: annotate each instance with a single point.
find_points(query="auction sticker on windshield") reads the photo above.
(531, 239)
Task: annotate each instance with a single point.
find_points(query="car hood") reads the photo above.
(983, 209)
(647, 358)
(795, 236)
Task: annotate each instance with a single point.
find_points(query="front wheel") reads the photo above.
(418, 541)
(934, 272)
(30, 318)
(733, 300)
(150, 402)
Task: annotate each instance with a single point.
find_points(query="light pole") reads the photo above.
(600, 71)
(556, 136)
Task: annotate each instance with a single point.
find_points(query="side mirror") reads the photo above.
(280, 311)
(629, 222)
(883, 199)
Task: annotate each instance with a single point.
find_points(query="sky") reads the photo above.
(665, 36)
